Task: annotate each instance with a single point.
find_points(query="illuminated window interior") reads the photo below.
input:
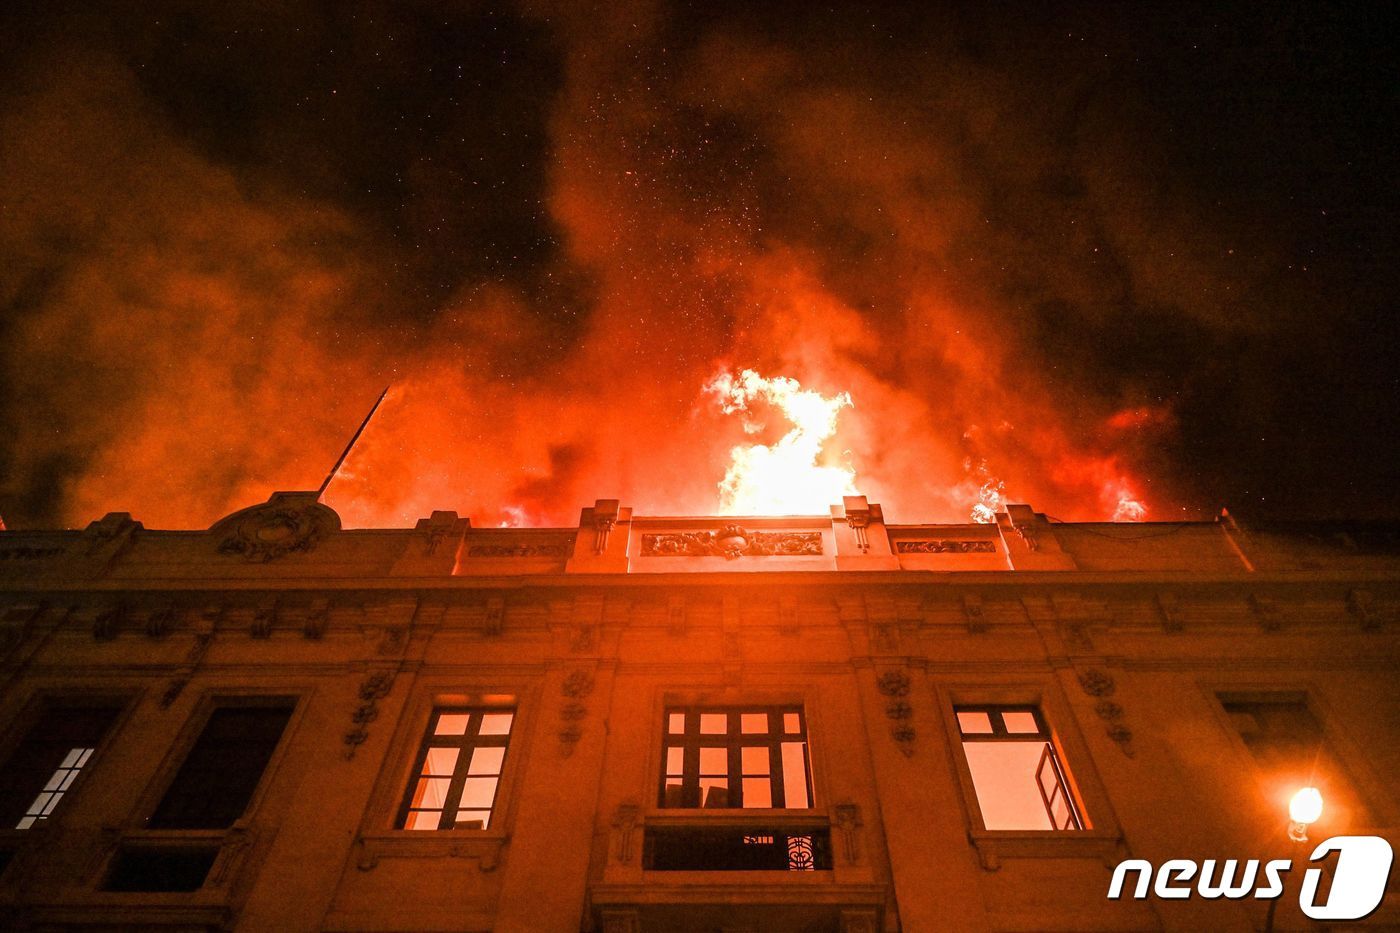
(458, 770)
(1020, 781)
(40, 773)
(751, 758)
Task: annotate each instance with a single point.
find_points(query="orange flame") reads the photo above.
(787, 477)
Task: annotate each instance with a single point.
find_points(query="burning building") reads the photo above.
(801, 723)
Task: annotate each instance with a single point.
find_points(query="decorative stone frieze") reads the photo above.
(624, 824)
(373, 688)
(895, 686)
(848, 823)
(974, 613)
(944, 546)
(575, 688)
(1097, 683)
(288, 523)
(732, 542)
(518, 550)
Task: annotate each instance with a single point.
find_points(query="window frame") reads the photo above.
(469, 743)
(1044, 734)
(195, 723)
(28, 717)
(1101, 836)
(379, 835)
(1374, 794)
(663, 697)
(733, 742)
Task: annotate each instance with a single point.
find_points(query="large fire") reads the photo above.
(793, 476)
(754, 210)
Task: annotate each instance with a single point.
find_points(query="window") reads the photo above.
(217, 780)
(458, 770)
(146, 869)
(1288, 743)
(42, 769)
(751, 758)
(1020, 781)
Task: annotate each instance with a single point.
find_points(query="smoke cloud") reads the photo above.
(222, 232)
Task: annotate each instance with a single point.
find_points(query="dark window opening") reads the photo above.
(458, 769)
(1020, 781)
(43, 767)
(1288, 742)
(217, 780)
(736, 757)
(763, 848)
(143, 869)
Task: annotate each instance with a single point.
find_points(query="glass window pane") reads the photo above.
(422, 819)
(795, 775)
(452, 724)
(714, 761)
(675, 761)
(753, 723)
(792, 723)
(676, 724)
(975, 723)
(758, 793)
(754, 759)
(1020, 722)
(431, 793)
(714, 792)
(714, 723)
(472, 819)
(1004, 775)
(478, 792)
(487, 760)
(674, 794)
(496, 723)
(440, 761)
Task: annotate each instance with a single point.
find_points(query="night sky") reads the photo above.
(1076, 256)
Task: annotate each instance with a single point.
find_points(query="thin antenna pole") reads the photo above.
(348, 447)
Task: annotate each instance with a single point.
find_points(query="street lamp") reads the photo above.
(1303, 809)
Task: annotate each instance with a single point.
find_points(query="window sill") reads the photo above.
(734, 816)
(484, 845)
(231, 845)
(993, 845)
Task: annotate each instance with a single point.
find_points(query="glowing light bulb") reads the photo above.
(1303, 809)
(1306, 805)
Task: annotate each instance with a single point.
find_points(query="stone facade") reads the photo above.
(1137, 644)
